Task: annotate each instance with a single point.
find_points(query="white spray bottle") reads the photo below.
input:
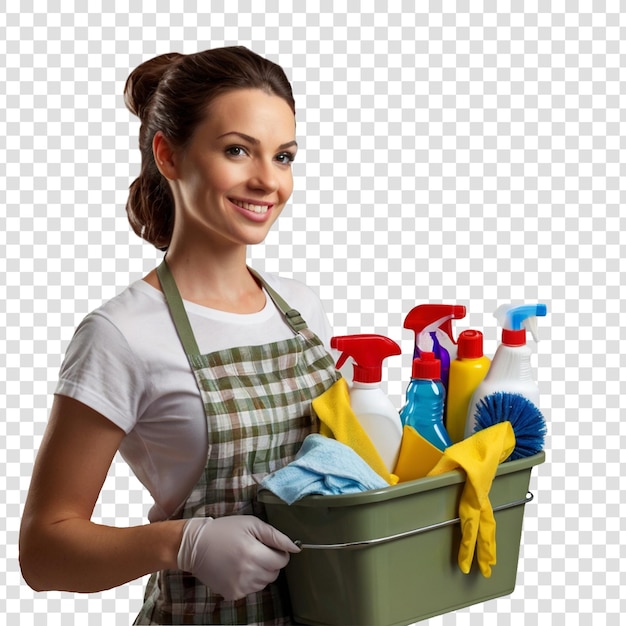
(374, 410)
(510, 370)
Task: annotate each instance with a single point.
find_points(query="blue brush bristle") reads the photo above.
(527, 421)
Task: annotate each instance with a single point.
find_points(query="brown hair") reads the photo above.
(170, 93)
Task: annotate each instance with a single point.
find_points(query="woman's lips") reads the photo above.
(255, 209)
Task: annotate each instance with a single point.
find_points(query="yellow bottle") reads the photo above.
(466, 373)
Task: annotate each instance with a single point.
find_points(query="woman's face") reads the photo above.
(234, 177)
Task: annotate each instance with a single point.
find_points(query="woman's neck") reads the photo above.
(218, 281)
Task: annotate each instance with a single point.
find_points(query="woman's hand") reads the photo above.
(234, 555)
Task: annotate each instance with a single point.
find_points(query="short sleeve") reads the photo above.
(101, 371)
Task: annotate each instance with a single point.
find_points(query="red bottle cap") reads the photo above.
(427, 367)
(514, 337)
(470, 345)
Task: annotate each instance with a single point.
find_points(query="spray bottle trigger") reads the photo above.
(342, 359)
(530, 324)
(425, 341)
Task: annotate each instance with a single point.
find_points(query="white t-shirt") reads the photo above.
(126, 362)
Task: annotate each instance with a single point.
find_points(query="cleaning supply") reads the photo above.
(425, 398)
(529, 424)
(432, 326)
(373, 409)
(338, 421)
(510, 369)
(479, 455)
(466, 373)
(322, 466)
(417, 456)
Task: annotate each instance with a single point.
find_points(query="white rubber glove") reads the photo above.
(234, 555)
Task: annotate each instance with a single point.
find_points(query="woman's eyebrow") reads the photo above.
(255, 141)
(289, 144)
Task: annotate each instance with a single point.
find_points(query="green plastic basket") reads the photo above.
(389, 556)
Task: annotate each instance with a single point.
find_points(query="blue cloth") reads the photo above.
(322, 466)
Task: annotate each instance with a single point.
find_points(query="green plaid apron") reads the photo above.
(257, 401)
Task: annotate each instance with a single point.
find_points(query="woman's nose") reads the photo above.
(264, 176)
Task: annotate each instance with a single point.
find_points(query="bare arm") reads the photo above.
(60, 548)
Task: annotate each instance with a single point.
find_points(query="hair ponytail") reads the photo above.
(150, 205)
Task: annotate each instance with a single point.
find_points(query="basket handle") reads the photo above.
(353, 545)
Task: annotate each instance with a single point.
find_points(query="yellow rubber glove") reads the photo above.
(479, 455)
(338, 421)
(417, 456)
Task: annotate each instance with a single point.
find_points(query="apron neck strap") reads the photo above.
(181, 319)
(293, 317)
(177, 309)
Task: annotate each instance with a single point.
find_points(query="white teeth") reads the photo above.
(255, 208)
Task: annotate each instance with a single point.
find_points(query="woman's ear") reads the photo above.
(164, 156)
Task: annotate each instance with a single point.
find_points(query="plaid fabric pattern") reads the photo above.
(258, 405)
(258, 400)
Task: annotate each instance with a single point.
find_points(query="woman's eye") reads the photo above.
(235, 151)
(285, 158)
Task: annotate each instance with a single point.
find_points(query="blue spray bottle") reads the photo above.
(425, 398)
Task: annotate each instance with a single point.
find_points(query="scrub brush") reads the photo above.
(529, 424)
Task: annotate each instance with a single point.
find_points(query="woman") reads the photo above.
(200, 374)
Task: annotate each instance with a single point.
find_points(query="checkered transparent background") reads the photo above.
(461, 152)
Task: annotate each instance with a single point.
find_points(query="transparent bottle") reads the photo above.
(425, 400)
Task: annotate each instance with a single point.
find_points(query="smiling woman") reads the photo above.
(171, 94)
(200, 374)
(229, 186)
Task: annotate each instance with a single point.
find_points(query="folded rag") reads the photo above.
(322, 466)
(479, 455)
(338, 421)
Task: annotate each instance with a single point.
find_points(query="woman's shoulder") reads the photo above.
(290, 287)
(305, 300)
(119, 327)
(133, 306)
(297, 294)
